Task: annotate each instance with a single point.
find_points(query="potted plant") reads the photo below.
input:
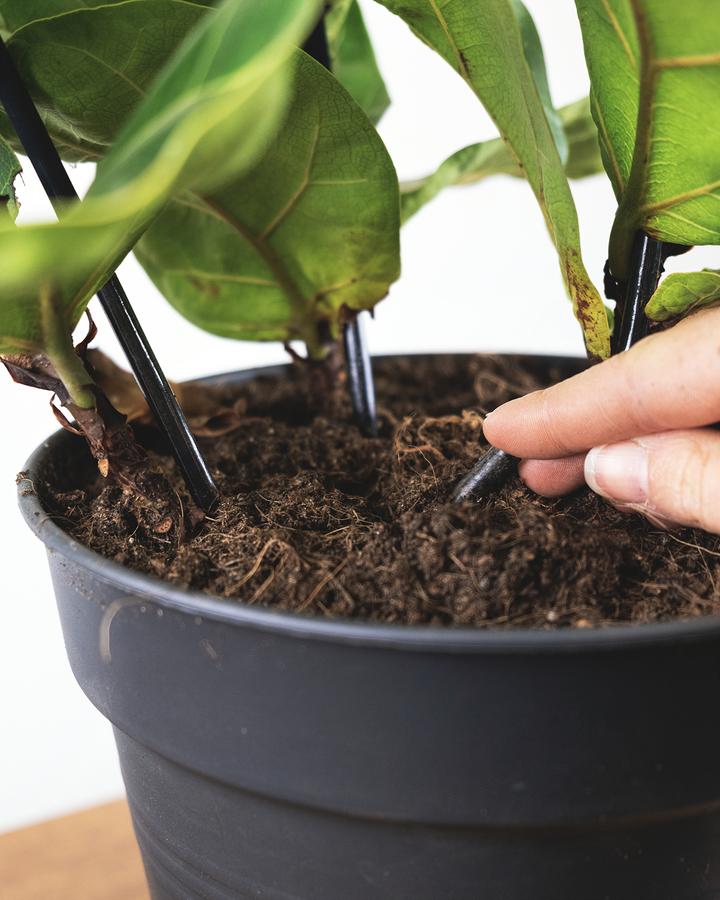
(366, 749)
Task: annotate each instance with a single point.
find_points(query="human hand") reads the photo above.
(640, 416)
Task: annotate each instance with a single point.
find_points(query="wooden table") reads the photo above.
(91, 855)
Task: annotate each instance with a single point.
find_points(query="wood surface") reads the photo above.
(90, 855)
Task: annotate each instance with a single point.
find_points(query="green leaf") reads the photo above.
(655, 73)
(88, 64)
(336, 13)
(480, 161)
(353, 59)
(584, 157)
(532, 46)
(310, 231)
(16, 14)
(34, 258)
(683, 292)
(485, 47)
(466, 166)
(10, 168)
(207, 118)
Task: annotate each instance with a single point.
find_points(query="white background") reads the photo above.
(479, 273)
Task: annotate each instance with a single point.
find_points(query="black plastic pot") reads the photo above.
(277, 756)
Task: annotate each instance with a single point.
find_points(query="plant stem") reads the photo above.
(60, 351)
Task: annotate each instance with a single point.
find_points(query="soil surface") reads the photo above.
(318, 519)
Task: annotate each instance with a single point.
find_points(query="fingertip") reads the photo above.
(498, 427)
(489, 429)
(553, 477)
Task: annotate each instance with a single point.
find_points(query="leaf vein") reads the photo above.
(296, 196)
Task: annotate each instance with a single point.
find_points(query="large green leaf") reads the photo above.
(10, 168)
(483, 43)
(353, 59)
(17, 14)
(310, 231)
(207, 118)
(480, 161)
(655, 73)
(683, 292)
(88, 64)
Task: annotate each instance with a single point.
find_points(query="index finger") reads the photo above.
(667, 381)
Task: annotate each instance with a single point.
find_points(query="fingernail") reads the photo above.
(618, 472)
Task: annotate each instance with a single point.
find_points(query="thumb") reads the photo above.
(672, 477)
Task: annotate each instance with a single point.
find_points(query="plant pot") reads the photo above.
(272, 755)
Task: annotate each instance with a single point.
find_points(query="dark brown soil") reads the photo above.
(317, 519)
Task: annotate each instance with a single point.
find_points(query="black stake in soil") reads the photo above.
(495, 467)
(38, 145)
(646, 265)
(360, 377)
(357, 357)
(488, 475)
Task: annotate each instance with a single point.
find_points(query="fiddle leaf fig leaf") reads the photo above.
(353, 59)
(310, 232)
(683, 292)
(337, 10)
(10, 168)
(208, 117)
(655, 74)
(479, 161)
(87, 65)
(532, 46)
(16, 14)
(486, 49)
(584, 156)
(34, 258)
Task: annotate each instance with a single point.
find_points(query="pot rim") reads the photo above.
(427, 638)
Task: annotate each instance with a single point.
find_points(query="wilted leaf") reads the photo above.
(10, 168)
(88, 64)
(682, 292)
(655, 73)
(207, 118)
(479, 161)
(353, 59)
(311, 230)
(211, 410)
(485, 47)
